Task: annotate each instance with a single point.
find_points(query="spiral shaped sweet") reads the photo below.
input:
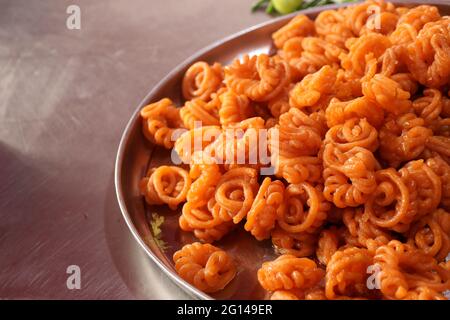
(353, 133)
(405, 269)
(403, 138)
(206, 267)
(201, 80)
(314, 91)
(235, 193)
(197, 113)
(349, 176)
(301, 244)
(300, 26)
(299, 169)
(234, 108)
(340, 111)
(431, 234)
(307, 55)
(356, 60)
(428, 57)
(260, 78)
(346, 274)
(166, 185)
(389, 205)
(306, 209)
(363, 232)
(387, 94)
(328, 245)
(160, 122)
(429, 106)
(298, 134)
(330, 24)
(441, 168)
(267, 206)
(424, 187)
(289, 272)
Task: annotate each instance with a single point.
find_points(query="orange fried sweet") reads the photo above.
(431, 234)
(429, 106)
(328, 245)
(428, 57)
(206, 267)
(197, 112)
(301, 25)
(287, 295)
(359, 49)
(424, 188)
(387, 93)
(199, 214)
(280, 104)
(306, 208)
(241, 144)
(349, 176)
(363, 232)
(267, 206)
(353, 133)
(301, 244)
(313, 92)
(307, 55)
(298, 134)
(233, 108)
(398, 200)
(412, 21)
(388, 206)
(442, 170)
(260, 78)
(201, 80)
(289, 272)
(166, 185)
(406, 82)
(346, 275)
(205, 176)
(331, 25)
(340, 111)
(404, 270)
(298, 169)
(235, 193)
(362, 18)
(403, 138)
(204, 222)
(160, 122)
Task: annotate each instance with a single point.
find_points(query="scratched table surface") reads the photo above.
(65, 98)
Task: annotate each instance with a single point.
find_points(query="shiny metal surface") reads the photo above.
(135, 154)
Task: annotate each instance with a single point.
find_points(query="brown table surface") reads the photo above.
(65, 98)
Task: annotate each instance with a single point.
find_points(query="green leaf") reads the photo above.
(155, 223)
(270, 8)
(258, 5)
